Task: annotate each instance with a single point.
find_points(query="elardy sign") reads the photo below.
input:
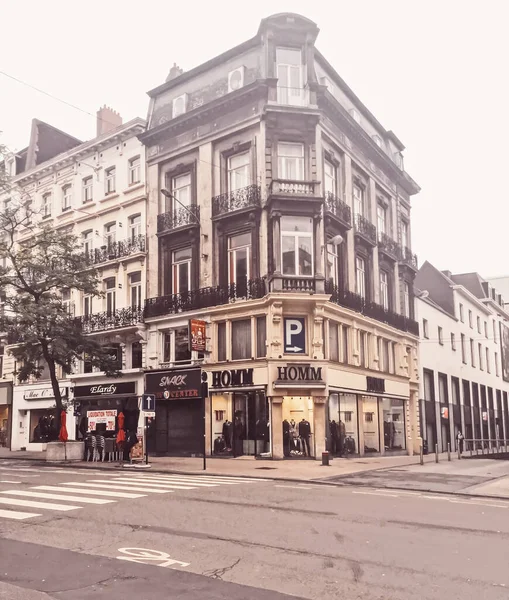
(44, 393)
(175, 384)
(101, 390)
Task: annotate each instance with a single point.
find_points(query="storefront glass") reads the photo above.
(43, 426)
(394, 424)
(4, 426)
(297, 427)
(348, 417)
(370, 424)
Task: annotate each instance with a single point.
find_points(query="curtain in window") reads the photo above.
(333, 342)
(241, 339)
(261, 337)
(221, 341)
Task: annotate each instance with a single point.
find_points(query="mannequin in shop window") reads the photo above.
(389, 433)
(342, 436)
(334, 437)
(286, 437)
(238, 434)
(227, 433)
(304, 434)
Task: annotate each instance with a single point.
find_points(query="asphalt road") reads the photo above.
(241, 539)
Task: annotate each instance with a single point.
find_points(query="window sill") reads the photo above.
(134, 186)
(67, 213)
(110, 196)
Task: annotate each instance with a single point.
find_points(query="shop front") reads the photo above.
(178, 427)
(34, 416)
(240, 414)
(5, 414)
(97, 407)
(370, 421)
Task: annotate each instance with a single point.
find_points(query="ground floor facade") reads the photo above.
(5, 414)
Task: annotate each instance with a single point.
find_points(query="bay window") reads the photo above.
(290, 161)
(297, 245)
(290, 74)
(360, 276)
(239, 171)
(181, 270)
(239, 258)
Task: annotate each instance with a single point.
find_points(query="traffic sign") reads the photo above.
(294, 335)
(148, 402)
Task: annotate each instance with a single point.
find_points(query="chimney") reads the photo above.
(107, 120)
(174, 72)
(447, 273)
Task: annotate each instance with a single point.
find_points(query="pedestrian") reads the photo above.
(460, 438)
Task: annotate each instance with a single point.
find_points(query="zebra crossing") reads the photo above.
(70, 496)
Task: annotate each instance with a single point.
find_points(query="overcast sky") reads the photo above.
(433, 71)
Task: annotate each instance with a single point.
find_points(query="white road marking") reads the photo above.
(203, 480)
(16, 514)
(33, 504)
(145, 556)
(29, 494)
(294, 487)
(7, 481)
(153, 481)
(148, 485)
(376, 494)
(113, 487)
(77, 490)
(478, 503)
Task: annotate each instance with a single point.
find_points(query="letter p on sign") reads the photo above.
(295, 335)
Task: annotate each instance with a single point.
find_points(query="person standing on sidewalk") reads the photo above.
(459, 439)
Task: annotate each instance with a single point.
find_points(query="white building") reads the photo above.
(464, 384)
(97, 189)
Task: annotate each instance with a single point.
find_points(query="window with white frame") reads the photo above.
(290, 161)
(463, 349)
(440, 336)
(462, 313)
(66, 197)
(290, 74)
(406, 300)
(405, 239)
(333, 263)
(488, 365)
(496, 365)
(330, 178)
(181, 191)
(66, 300)
(358, 199)
(333, 341)
(110, 234)
(297, 245)
(481, 358)
(425, 331)
(239, 258)
(88, 189)
(453, 341)
(134, 227)
(181, 270)
(363, 350)
(360, 276)
(111, 294)
(384, 289)
(135, 289)
(479, 324)
(239, 171)
(87, 306)
(109, 180)
(47, 201)
(486, 329)
(179, 105)
(134, 170)
(86, 237)
(176, 346)
(241, 339)
(381, 218)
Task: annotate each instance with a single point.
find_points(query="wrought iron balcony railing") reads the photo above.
(205, 298)
(105, 321)
(180, 217)
(117, 250)
(338, 208)
(409, 259)
(389, 246)
(246, 197)
(290, 187)
(370, 309)
(365, 228)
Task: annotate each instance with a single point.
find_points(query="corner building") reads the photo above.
(280, 214)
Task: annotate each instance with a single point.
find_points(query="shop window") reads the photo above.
(181, 270)
(261, 337)
(370, 424)
(394, 424)
(136, 355)
(241, 339)
(239, 171)
(43, 426)
(297, 245)
(290, 161)
(348, 419)
(333, 341)
(239, 259)
(221, 341)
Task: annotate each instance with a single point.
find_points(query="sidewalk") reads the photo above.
(296, 470)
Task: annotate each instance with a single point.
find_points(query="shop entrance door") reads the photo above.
(178, 428)
(251, 424)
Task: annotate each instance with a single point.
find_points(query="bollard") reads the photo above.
(422, 454)
(436, 452)
(325, 459)
(449, 451)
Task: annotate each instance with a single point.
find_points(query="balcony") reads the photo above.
(389, 247)
(370, 309)
(106, 321)
(339, 209)
(181, 217)
(117, 250)
(408, 259)
(241, 199)
(205, 298)
(365, 229)
(291, 188)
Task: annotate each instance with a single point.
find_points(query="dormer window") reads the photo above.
(179, 105)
